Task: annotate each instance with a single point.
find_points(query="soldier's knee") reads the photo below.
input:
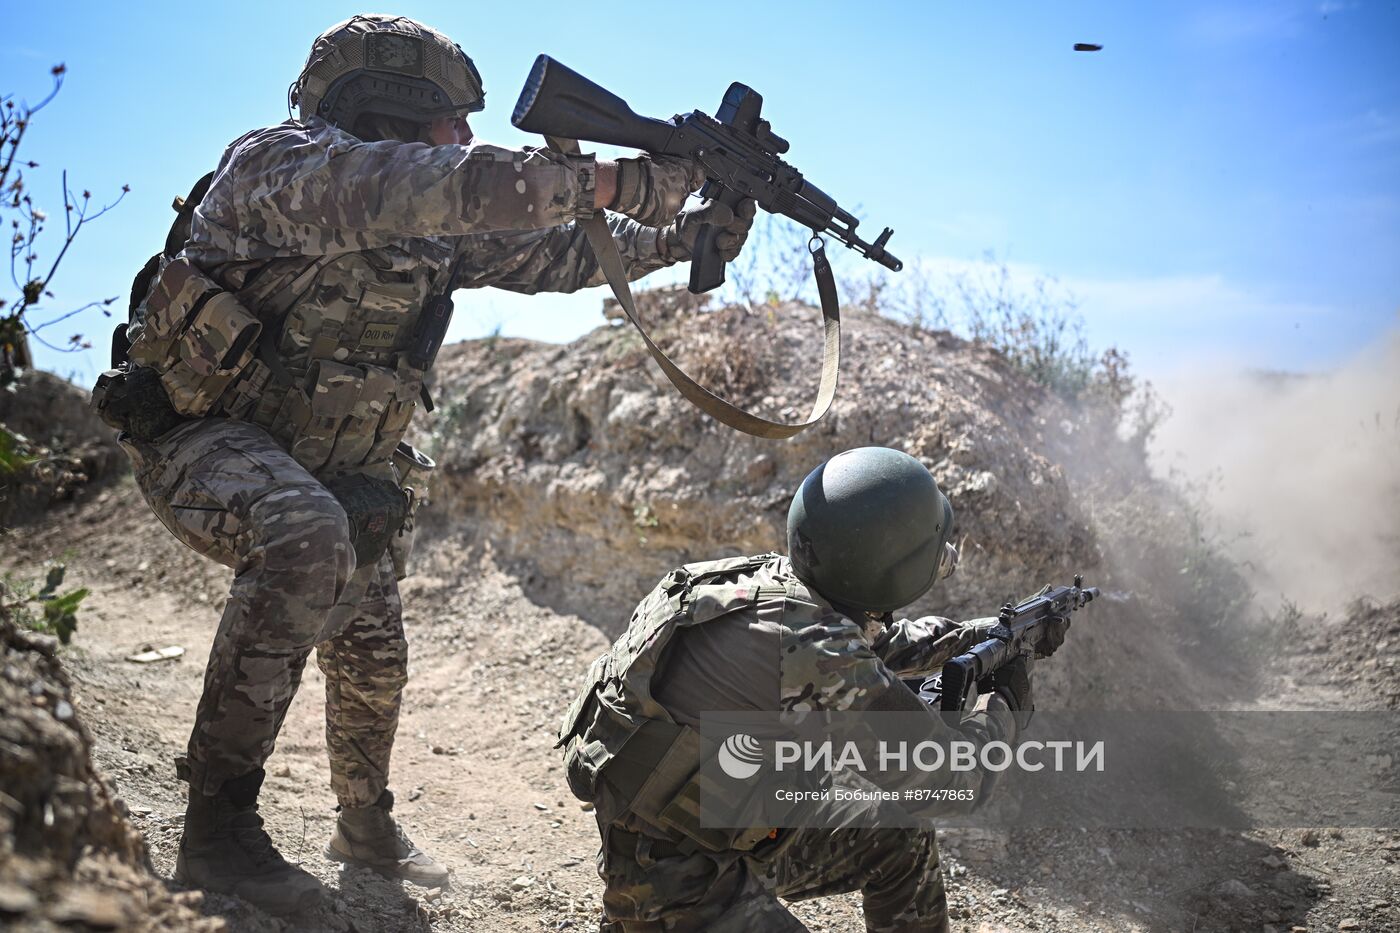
(304, 536)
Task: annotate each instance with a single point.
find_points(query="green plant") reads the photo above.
(14, 454)
(45, 609)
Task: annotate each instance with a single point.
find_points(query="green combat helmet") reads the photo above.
(868, 529)
(389, 66)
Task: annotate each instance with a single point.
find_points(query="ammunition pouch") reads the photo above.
(198, 336)
(135, 401)
(343, 416)
(658, 776)
(375, 508)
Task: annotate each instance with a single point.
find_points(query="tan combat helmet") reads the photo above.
(386, 65)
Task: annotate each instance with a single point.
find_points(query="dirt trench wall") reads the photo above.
(69, 857)
(65, 447)
(584, 470)
(51, 802)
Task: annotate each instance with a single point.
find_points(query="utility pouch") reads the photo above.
(197, 335)
(375, 508)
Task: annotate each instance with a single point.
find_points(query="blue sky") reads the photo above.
(1222, 181)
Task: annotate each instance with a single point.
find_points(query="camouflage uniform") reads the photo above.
(334, 245)
(744, 634)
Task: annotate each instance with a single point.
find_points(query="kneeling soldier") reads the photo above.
(812, 631)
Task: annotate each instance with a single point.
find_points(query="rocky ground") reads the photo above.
(570, 480)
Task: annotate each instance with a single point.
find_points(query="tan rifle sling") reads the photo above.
(610, 261)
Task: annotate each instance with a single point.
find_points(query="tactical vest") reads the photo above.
(623, 751)
(328, 354)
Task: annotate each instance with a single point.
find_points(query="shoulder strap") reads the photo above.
(184, 213)
(725, 412)
(175, 241)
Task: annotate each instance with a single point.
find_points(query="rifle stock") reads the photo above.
(558, 101)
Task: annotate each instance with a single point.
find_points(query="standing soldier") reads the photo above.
(278, 351)
(810, 632)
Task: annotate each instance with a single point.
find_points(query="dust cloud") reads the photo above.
(1299, 475)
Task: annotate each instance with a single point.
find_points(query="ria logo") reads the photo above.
(740, 756)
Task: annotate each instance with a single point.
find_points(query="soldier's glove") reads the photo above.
(1011, 683)
(678, 237)
(1055, 630)
(375, 509)
(652, 189)
(134, 401)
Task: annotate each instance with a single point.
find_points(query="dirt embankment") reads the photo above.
(58, 444)
(583, 467)
(584, 472)
(69, 857)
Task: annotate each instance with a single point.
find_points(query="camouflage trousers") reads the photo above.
(652, 886)
(227, 490)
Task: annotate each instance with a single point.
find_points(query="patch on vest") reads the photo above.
(379, 336)
(392, 52)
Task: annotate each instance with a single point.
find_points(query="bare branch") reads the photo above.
(27, 224)
(63, 317)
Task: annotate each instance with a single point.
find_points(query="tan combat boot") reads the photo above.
(225, 849)
(370, 838)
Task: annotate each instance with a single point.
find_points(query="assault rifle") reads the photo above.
(737, 147)
(1022, 629)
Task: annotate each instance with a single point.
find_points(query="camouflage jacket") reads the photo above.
(790, 651)
(333, 245)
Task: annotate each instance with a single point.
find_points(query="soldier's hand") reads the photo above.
(678, 237)
(652, 189)
(1054, 637)
(1012, 684)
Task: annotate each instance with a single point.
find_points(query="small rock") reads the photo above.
(439, 750)
(433, 894)
(521, 883)
(284, 771)
(586, 806)
(16, 900)
(93, 908)
(63, 711)
(541, 806)
(1272, 861)
(1234, 888)
(1350, 923)
(1311, 838)
(415, 794)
